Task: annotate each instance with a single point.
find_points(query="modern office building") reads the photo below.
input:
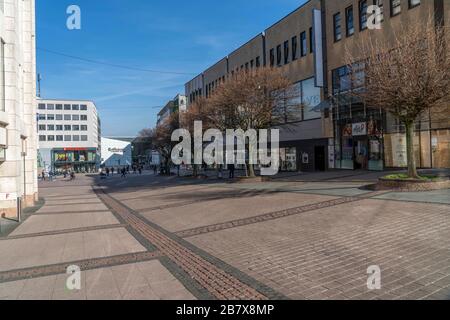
(308, 45)
(116, 152)
(69, 135)
(18, 145)
(177, 104)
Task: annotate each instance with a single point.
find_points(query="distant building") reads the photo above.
(178, 104)
(116, 152)
(142, 150)
(69, 135)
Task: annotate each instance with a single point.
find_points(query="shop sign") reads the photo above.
(359, 129)
(347, 131)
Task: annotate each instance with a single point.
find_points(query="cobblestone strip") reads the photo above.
(61, 268)
(64, 231)
(220, 284)
(271, 216)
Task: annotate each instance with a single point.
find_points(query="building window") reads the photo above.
(67, 127)
(337, 27)
(258, 62)
(379, 4)
(51, 117)
(272, 57)
(41, 106)
(279, 55)
(51, 127)
(83, 128)
(76, 128)
(349, 22)
(67, 138)
(41, 116)
(59, 138)
(83, 118)
(362, 15)
(294, 48)
(396, 7)
(252, 64)
(75, 107)
(42, 127)
(50, 138)
(83, 107)
(59, 117)
(413, 3)
(50, 107)
(286, 52)
(76, 138)
(303, 44)
(75, 117)
(42, 138)
(84, 138)
(59, 127)
(67, 107)
(311, 40)
(2, 75)
(59, 107)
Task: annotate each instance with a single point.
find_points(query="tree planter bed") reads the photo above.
(412, 185)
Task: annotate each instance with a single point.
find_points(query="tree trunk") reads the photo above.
(251, 169)
(412, 169)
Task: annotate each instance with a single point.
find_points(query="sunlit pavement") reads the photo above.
(299, 236)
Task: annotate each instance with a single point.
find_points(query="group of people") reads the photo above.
(124, 170)
(51, 175)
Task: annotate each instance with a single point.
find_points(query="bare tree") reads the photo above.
(162, 139)
(197, 111)
(255, 99)
(406, 78)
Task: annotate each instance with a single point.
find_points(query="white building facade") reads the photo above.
(116, 152)
(18, 144)
(69, 136)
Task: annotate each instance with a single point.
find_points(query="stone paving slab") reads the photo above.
(140, 281)
(325, 254)
(23, 253)
(44, 223)
(86, 207)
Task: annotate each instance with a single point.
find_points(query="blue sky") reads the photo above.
(176, 36)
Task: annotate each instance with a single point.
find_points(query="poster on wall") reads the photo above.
(331, 157)
(399, 155)
(347, 131)
(359, 129)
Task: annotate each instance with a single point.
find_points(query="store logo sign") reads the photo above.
(359, 129)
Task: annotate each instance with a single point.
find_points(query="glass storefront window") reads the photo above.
(288, 159)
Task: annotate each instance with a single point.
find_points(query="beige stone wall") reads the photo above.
(18, 174)
(301, 20)
(246, 53)
(390, 27)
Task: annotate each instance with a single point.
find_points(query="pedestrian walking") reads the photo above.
(231, 168)
(107, 172)
(155, 169)
(43, 175)
(124, 173)
(140, 169)
(112, 171)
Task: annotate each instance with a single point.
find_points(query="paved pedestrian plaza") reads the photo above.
(298, 236)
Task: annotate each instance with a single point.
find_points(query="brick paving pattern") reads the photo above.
(219, 283)
(270, 216)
